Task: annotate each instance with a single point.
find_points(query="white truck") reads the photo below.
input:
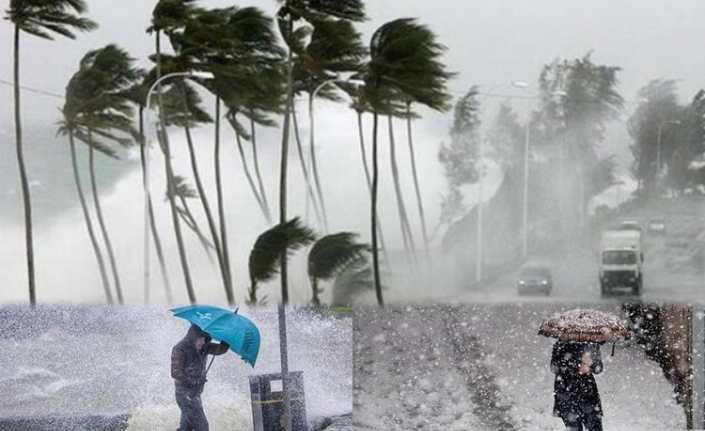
(621, 258)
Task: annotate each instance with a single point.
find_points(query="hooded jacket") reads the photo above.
(188, 365)
(575, 394)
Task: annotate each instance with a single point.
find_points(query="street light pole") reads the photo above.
(525, 193)
(145, 176)
(481, 170)
(561, 168)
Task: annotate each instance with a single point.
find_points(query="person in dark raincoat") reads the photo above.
(577, 401)
(188, 369)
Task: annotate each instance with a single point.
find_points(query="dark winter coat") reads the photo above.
(575, 394)
(188, 365)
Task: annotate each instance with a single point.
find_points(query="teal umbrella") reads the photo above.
(224, 325)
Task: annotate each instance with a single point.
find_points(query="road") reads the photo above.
(483, 367)
(674, 266)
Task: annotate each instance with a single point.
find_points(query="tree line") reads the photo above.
(255, 66)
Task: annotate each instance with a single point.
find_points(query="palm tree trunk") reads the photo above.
(209, 215)
(89, 224)
(248, 175)
(309, 189)
(221, 209)
(373, 216)
(314, 287)
(171, 192)
(152, 224)
(416, 184)
(363, 152)
(255, 159)
(26, 199)
(187, 217)
(409, 246)
(101, 222)
(160, 254)
(314, 166)
(284, 166)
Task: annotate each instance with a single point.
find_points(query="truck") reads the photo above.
(621, 261)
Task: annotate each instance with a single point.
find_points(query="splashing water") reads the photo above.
(84, 360)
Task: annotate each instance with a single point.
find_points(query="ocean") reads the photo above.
(73, 364)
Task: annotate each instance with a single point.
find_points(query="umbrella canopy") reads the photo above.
(224, 325)
(585, 325)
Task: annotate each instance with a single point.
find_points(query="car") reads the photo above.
(657, 226)
(535, 278)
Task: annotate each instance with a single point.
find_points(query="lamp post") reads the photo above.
(561, 155)
(525, 192)
(145, 177)
(480, 211)
(658, 142)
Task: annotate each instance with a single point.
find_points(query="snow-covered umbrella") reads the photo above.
(585, 325)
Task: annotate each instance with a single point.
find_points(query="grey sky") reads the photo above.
(490, 44)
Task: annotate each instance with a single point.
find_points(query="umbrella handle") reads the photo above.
(211, 363)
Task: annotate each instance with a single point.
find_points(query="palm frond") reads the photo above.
(47, 17)
(350, 283)
(334, 252)
(275, 244)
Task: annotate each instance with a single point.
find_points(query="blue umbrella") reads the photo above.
(224, 325)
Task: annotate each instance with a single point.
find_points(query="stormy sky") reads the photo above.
(490, 43)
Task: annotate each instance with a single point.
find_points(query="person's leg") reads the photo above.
(193, 418)
(593, 422)
(182, 402)
(572, 424)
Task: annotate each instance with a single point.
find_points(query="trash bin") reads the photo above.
(268, 404)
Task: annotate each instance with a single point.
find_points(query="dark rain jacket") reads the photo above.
(188, 365)
(575, 394)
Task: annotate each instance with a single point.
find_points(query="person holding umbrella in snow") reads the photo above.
(576, 359)
(576, 398)
(188, 369)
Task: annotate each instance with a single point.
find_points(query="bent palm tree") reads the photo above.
(38, 18)
(330, 256)
(271, 247)
(170, 16)
(290, 13)
(101, 87)
(402, 67)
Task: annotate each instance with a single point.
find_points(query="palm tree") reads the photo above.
(330, 256)
(272, 246)
(335, 47)
(235, 45)
(290, 13)
(105, 78)
(407, 235)
(246, 60)
(169, 16)
(41, 19)
(402, 66)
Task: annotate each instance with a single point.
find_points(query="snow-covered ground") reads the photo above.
(483, 367)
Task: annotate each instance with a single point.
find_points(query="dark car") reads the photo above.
(535, 279)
